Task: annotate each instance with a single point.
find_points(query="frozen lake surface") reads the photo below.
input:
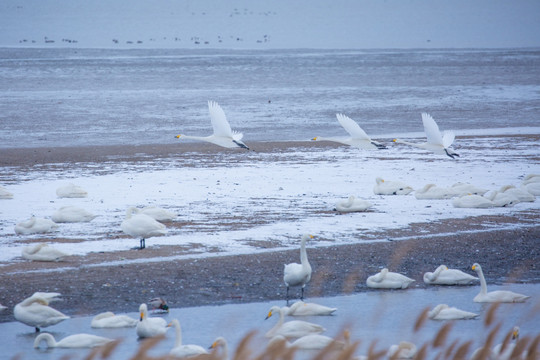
(383, 316)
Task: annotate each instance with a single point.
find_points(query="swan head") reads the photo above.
(476, 267)
(273, 310)
(515, 333)
(315, 138)
(379, 180)
(178, 136)
(174, 322)
(143, 309)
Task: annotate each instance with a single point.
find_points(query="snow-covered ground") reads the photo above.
(233, 201)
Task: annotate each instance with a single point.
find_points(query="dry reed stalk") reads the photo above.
(462, 350)
(105, 350)
(146, 345)
(243, 352)
(421, 319)
(490, 313)
(449, 349)
(532, 351)
(422, 353)
(442, 334)
(372, 354)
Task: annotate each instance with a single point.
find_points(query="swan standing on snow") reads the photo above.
(110, 320)
(36, 312)
(142, 226)
(494, 296)
(445, 276)
(388, 280)
(42, 252)
(383, 187)
(353, 205)
(35, 226)
(358, 138)
(157, 213)
(523, 196)
(72, 341)
(301, 308)
(223, 135)
(291, 329)
(433, 192)
(4, 194)
(71, 191)
(501, 199)
(295, 274)
(180, 350)
(444, 312)
(149, 327)
(437, 143)
(72, 214)
(472, 202)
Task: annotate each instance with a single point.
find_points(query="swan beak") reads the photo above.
(474, 267)
(214, 344)
(169, 324)
(141, 317)
(395, 140)
(268, 316)
(311, 236)
(178, 136)
(515, 334)
(314, 139)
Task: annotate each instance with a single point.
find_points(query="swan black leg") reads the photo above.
(143, 244)
(302, 296)
(37, 329)
(287, 296)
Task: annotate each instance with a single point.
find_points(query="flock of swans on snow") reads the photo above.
(36, 312)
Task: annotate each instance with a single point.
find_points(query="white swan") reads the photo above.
(464, 188)
(42, 252)
(295, 274)
(36, 312)
(149, 327)
(220, 342)
(358, 136)
(110, 320)
(522, 195)
(180, 350)
(388, 280)
(353, 205)
(403, 350)
(156, 213)
(472, 202)
(223, 135)
(532, 188)
(159, 304)
(72, 214)
(445, 276)
(494, 296)
(505, 350)
(72, 341)
(317, 342)
(291, 329)
(383, 187)
(301, 308)
(71, 191)
(4, 194)
(501, 199)
(142, 226)
(433, 192)
(35, 226)
(531, 178)
(445, 312)
(437, 143)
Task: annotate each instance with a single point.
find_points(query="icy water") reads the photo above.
(385, 316)
(59, 97)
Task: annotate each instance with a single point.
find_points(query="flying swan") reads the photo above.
(353, 205)
(142, 226)
(291, 329)
(36, 312)
(445, 276)
(223, 135)
(497, 295)
(358, 138)
(295, 274)
(388, 280)
(72, 341)
(437, 143)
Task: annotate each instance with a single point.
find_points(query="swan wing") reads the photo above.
(352, 127)
(431, 129)
(448, 138)
(219, 120)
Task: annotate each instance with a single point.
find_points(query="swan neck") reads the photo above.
(48, 338)
(483, 285)
(303, 254)
(178, 339)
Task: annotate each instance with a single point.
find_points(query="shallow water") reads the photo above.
(385, 316)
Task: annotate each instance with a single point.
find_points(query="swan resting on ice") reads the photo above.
(472, 202)
(388, 280)
(383, 187)
(301, 308)
(110, 320)
(35, 226)
(71, 191)
(72, 341)
(497, 295)
(445, 312)
(434, 192)
(42, 252)
(72, 214)
(445, 276)
(353, 205)
(295, 274)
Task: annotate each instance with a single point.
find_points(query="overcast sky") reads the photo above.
(272, 24)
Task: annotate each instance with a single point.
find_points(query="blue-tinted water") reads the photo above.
(59, 97)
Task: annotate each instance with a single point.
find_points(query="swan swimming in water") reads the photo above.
(301, 308)
(42, 252)
(445, 312)
(383, 187)
(437, 143)
(353, 205)
(223, 135)
(388, 280)
(36, 312)
(110, 320)
(72, 341)
(472, 202)
(142, 226)
(35, 226)
(291, 329)
(433, 192)
(149, 327)
(497, 295)
(295, 274)
(445, 276)
(72, 214)
(358, 136)
(71, 191)
(181, 350)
